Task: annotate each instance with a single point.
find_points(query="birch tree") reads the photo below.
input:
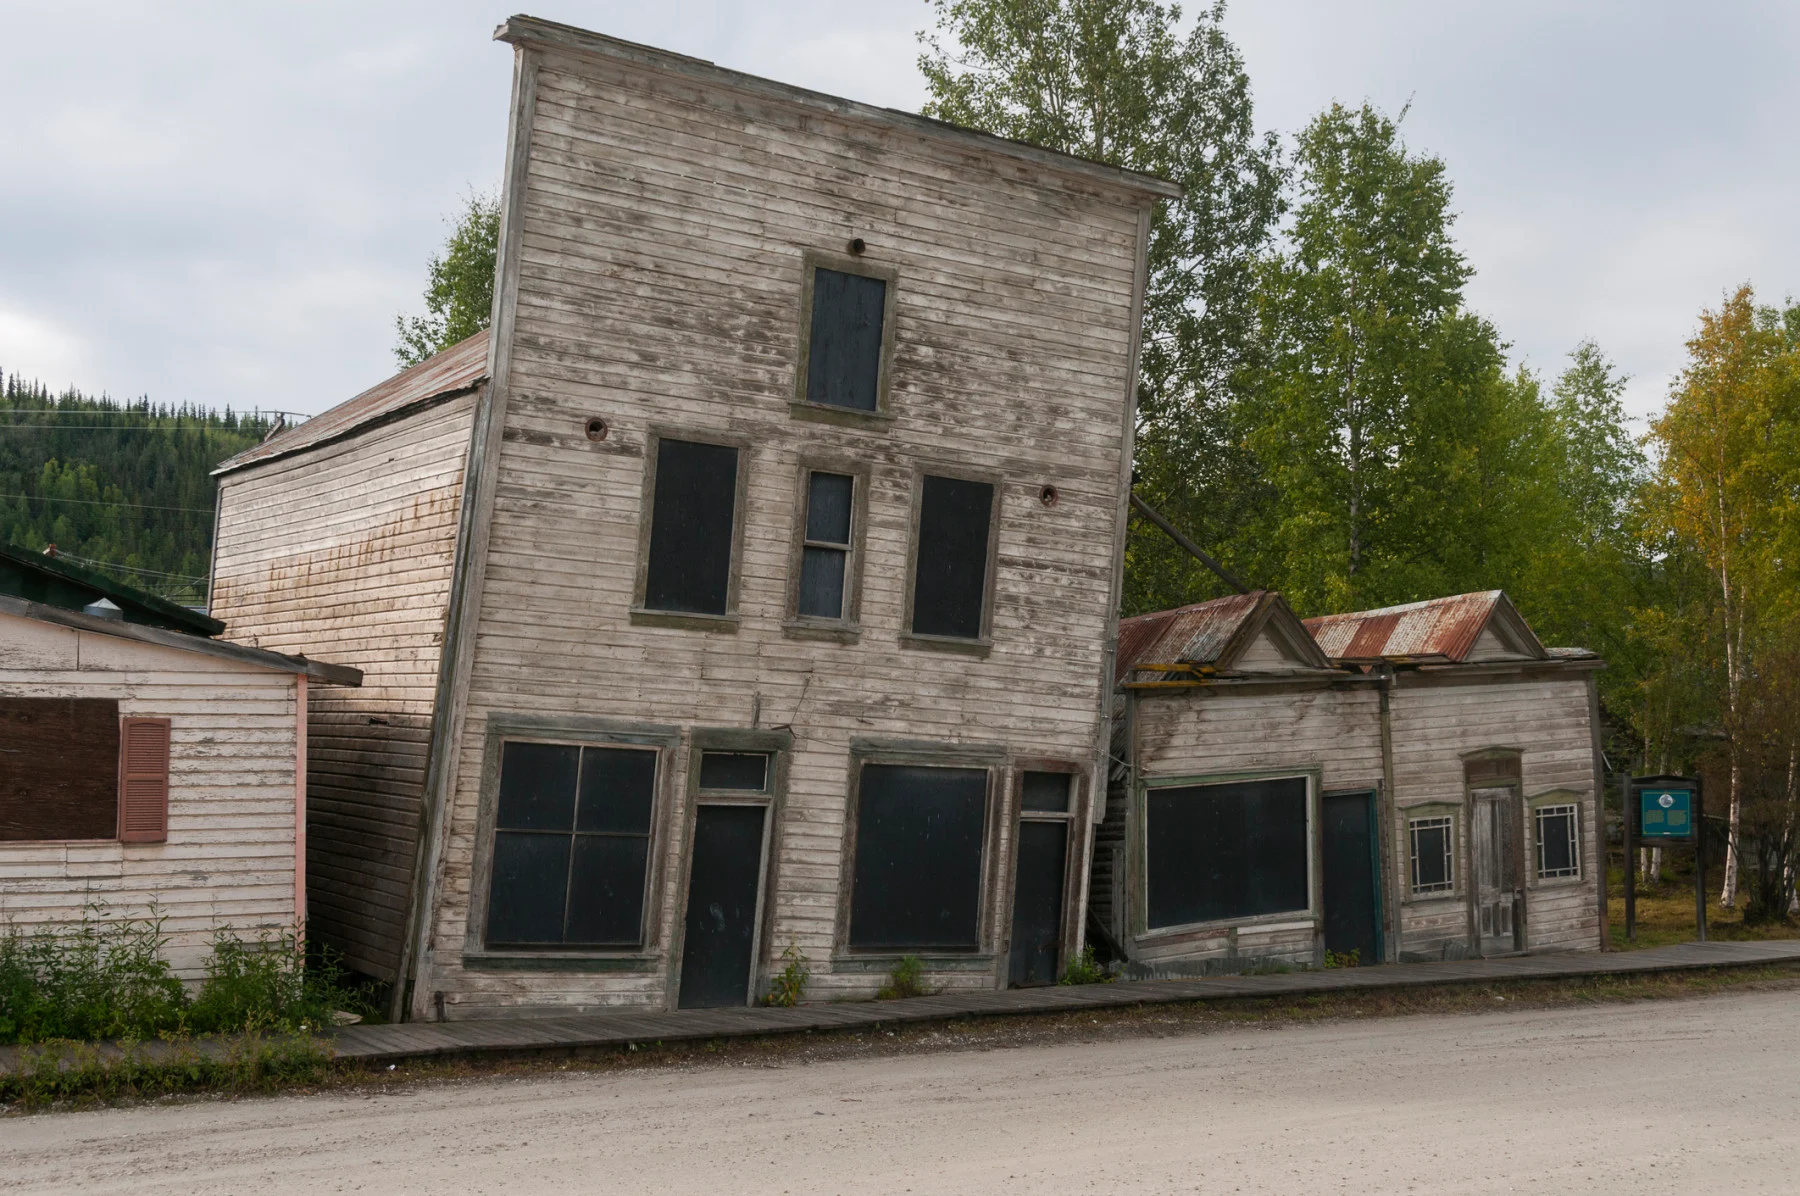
(1726, 444)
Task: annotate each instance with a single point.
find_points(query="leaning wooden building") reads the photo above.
(750, 589)
(1418, 782)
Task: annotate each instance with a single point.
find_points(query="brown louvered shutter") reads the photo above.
(143, 780)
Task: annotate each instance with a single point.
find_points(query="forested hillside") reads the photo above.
(123, 487)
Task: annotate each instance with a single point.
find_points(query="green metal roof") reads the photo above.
(52, 581)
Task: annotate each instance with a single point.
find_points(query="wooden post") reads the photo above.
(1627, 794)
(1699, 861)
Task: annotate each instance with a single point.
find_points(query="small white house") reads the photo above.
(147, 769)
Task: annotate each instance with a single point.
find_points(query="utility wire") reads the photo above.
(101, 502)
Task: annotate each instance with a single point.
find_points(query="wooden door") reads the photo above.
(718, 951)
(1352, 911)
(1495, 846)
(1038, 903)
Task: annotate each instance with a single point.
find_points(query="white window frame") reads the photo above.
(1434, 820)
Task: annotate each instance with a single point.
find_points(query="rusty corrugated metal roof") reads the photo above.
(457, 368)
(1211, 637)
(1196, 634)
(1441, 629)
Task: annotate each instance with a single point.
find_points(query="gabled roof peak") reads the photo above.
(1254, 633)
(1459, 629)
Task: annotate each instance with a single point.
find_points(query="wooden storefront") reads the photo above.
(1418, 782)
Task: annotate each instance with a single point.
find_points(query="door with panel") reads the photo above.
(1040, 864)
(726, 865)
(1499, 894)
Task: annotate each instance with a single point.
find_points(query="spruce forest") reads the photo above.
(125, 488)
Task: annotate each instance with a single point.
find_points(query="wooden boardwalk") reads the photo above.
(525, 1035)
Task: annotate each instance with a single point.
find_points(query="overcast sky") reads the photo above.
(229, 203)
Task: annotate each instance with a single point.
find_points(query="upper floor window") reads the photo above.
(952, 566)
(825, 555)
(689, 559)
(846, 336)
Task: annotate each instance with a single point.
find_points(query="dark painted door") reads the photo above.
(1038, 903)
(1352, 920)
(723, 883)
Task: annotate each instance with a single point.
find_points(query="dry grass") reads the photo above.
(1665, 914)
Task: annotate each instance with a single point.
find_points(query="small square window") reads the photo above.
(746, 772)
(1558, 841)
(1433, 854)
(1045, 792)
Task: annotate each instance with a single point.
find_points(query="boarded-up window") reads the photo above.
(825, 555)
(843, 364)
(918, 858)
(144, 780)
(1228, 851)
(571, 846)
(1433, 854)
(59, 762)
(1558, 841)
(694, 510)
(950, 559)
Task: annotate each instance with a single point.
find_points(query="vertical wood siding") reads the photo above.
(665, 223)
(344, 553)
(228, 861)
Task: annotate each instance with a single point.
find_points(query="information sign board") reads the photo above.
(1666, 813)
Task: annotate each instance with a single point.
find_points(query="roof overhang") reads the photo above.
(316, 670)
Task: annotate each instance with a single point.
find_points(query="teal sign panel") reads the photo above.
(1667, 813)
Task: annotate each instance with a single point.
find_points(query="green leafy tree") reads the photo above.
(1402, 458)
(1118, 81)
(1725, 495)
(459, 298)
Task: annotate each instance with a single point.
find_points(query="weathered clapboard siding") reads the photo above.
(1438, 717)
(228, 862)
(1332, 730)
(345, 551)
(659, 268)
(1437, 721)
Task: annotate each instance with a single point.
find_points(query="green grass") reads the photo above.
(78, 1074)
(109, 979)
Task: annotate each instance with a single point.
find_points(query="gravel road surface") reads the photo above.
(1666, 1096)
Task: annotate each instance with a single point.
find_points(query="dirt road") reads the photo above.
(1666, 1096)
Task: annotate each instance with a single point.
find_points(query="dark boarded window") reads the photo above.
(59, 768)
(1433, 845)
(825, 555)
(843, 365)
(918, 858)
(950, 566)
(1218, 852)
(1045, 791)
(746, 771)
(1558, 841)
(692, 516)
(571, 846)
